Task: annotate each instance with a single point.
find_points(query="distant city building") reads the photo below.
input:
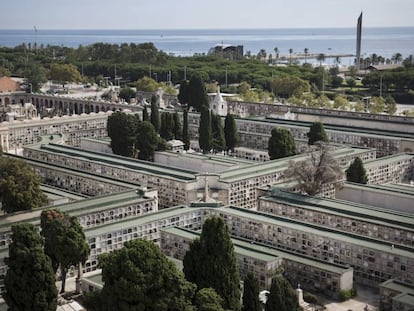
(227, 51)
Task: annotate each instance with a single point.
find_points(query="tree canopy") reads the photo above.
(186, 134)
(211, 262)
(147, 84)
(197, 94)
(318, 170)
(19, 186)
(64, 73)
(282, 297)
(146, 141)
(356, 172)
(139, 277)
(281, 144)
(251, 292)
(65, 242)
(127, 93)
(183, 92)
(230, 132)
(122, 129)
(207, 299)
(30, 279)
(317, 133)
(155, 114)
(218, 140)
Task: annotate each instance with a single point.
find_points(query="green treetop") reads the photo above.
(219, 143)
(30, 279)
(147, 84)
(167, 126)
(211, 262)
(207, 299)
(204, 131)
(183, 93)
(186, 135)
(65, 242)
(230, 132)
(121, 128)
(282, 297)
(146, 141)
(64, 73)
(251, 292)
(197, 94)
(155, 115)
(126, 94)
(177, 131)
(19, 186)
(317, 133)
(281, 144)
(139, 277)
(356, 172)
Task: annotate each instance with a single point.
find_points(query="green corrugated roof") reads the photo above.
(398, 286)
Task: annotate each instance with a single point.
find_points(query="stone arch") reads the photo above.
(7, 101)
(21, 101)
(97, 108)
(81, 108)
(76, 108)
(60, 106)
(33, 100)
(70, 108)
(91, 108)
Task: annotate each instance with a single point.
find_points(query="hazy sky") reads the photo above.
(183, 14)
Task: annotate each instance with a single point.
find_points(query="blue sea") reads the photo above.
(382, 41)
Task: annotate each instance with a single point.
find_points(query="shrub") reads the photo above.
(311, 298)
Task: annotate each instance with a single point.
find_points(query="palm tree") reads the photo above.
(306, 50)
(290, 56)
(320, 58)
(276, 54)
(374, 59)
(337, 60)
(397, 58)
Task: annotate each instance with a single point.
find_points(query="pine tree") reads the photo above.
(317, 133)
(186, 135)
(356, 172)
(230, 132)
(204, 131)
(211, 262)
(219, 142)
(251, 290)
(30, 279)
(155, 115)
(281, 144)
(282, 297)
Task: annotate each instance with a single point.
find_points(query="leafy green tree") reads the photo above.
(65, 241)
(35, 76)
(336, 81)
(377, 105)
(390, 105)
(19, 186)
(289, 86)
(204, 131)
(317, 133)
(122, 128)
(139, 277)
(340, 102)
(356, 172)
(197, 94)
(281, 144)
(146, 141)
(211, 262)
(186, 135)
(318, 170)
(64, 73)
(147, 84)
(207, 299)
(177, 130)
(219, 142)
(282, 297)
(126, 94)
(184, 92)
(251, 291)
(145, 115)
(155, 115)
(30, 279)
(230, 132)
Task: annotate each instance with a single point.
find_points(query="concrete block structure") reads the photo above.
(263, 262)
(396, 296)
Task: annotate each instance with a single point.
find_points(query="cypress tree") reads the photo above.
(204, 131)
(211, 262)
(282, 297)
(230, 132)
(281, 144)
(177, 131)
(121, 128)
(186, 135)
(251, 290)
(145, 116)
(219, 142)
(30, 279)
(155, 115)
(197, 94)
(317, 133)
(356, 172)
(183, 93)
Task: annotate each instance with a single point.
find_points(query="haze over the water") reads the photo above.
(190, 14)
